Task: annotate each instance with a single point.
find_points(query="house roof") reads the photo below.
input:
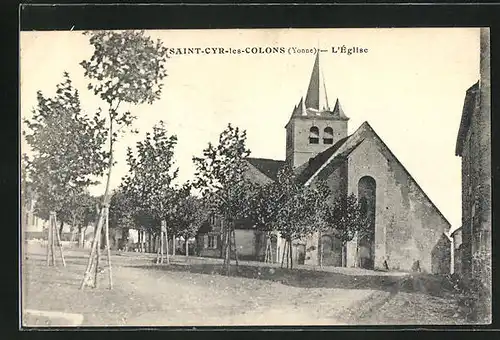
(269, 167)
(454, 231)
(467, 111)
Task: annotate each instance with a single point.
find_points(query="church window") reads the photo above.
(314, 135)
(328, 136)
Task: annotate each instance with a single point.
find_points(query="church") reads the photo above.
(408, 229)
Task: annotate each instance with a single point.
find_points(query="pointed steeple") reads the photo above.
(316, 97)
(338, 112)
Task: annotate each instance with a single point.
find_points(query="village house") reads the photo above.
(408, 229)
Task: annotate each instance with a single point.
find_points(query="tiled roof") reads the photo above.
(268, 167)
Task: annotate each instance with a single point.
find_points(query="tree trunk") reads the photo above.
(320, 249)
(187, 245)
(83, 236)
(228, 249)
(105, 197)
(291, 254)
(80, 236)
(49, 242)
(233, 232)
(161, 246)
(150, 242)
(93, 248)
(73, 225)
(173, 245)
(358, 261)
(98, 257)
(166, 241)
(61, 226)
(283, 251)
(344, 254)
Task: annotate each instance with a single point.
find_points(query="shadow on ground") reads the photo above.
(433, 285)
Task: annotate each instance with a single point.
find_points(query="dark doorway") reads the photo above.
(301, 254)
(332, 251)
(366, 243)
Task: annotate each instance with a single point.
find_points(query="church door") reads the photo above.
(366, 243)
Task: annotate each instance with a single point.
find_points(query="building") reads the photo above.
(456, 251)
(474, 148)
(407, 226)
(32, 226)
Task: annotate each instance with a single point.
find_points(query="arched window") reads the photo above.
(314, 135)
(328, 136)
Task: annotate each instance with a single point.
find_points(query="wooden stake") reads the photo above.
(158, 247)
(108, 246)
(235, 248)
(173, 245)
(228, 250)
(49, 241)
(161, 246)
(97, 260)
(283, 249)
(59, 241)
(166, 241)
(97, 232)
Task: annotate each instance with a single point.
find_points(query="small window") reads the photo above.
(314, 135)
(328, 136)
(211, 242)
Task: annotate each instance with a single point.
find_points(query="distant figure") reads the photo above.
(386, 266)
(416, 266)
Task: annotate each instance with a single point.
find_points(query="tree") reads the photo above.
(296, 214)
(191, 214)
(345, 215)
(123, 214)
(151, 175)
(284, 206)
(67, 150)
(126, 67)
(220, 177)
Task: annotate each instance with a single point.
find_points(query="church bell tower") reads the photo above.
(314, 126)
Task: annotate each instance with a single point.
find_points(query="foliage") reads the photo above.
(67, 148)
(220, 175)
(346, 216)
(190, 215)
(123, 210)
(285, 206)
(148, 185)
(288, 207)
(126, 67)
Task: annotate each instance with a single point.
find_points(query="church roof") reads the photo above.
(315, 104)
(467, 112)
(316, 97)
(307, 170)
(339, 152)
(268, 167)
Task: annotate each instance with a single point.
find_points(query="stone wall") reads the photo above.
(301, 150)
(407, 225)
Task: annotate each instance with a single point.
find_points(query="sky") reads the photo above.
(409, 85)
